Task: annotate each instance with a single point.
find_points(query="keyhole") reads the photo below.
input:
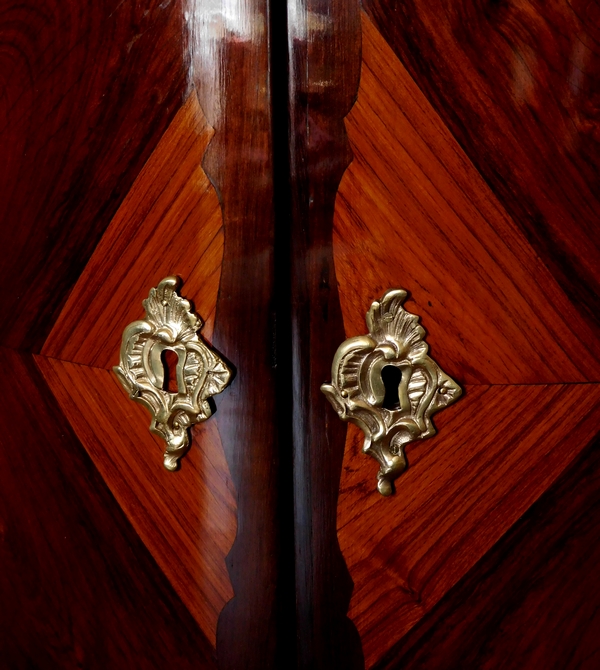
(391, 376)
(169, 360)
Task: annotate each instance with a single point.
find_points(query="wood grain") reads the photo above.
(169, 223)
(78, 587)
(532, 602)
(413, 212)
(187, 519)
(456, 214)
(231, 75)
(88, 90)
(517, 83)
(324, 69)
(497, 451)
(474, 185)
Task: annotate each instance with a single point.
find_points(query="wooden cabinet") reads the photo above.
(291, 164)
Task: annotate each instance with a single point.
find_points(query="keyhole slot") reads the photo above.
(169, 360)
(391, 377)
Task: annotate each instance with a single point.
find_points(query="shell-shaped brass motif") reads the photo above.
(357, 390)
(200, 373)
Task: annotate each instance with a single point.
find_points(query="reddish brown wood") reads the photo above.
(324, 72)
(187, 519)
(169, 224)
(489, 221)
(412, 211)
(497, 451)
(532, 601)
(78, 587)
(231, 74)
(517, 83)
(88, 90)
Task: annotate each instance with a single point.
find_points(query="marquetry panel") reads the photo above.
(497, 451)
(169, 223)
(187, 519)
(413, 212)
(90, 94)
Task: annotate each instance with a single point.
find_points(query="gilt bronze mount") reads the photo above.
(170, 325)
(357, 390)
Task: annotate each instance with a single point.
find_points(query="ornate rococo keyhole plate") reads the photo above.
(200, 373)
(357, 391)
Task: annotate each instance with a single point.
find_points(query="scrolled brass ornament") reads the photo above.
(170, 325)
(358, 393)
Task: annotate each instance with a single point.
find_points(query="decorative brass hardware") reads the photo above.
(357, 391)
(169, 325)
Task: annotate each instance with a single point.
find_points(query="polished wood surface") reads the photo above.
(418, 209)
(208, 139)
(412, 211)
(142, 213)
(498, 616)
(187, 520)
(169, 223)
(87, 93)
(78, 587)
(324, 71)
(463, 490)
(231, 74)
(517, 85)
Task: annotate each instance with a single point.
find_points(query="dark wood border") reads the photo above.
(233, 83)
(324, 74)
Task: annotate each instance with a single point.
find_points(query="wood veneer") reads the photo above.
(78, 587)
(187, 520)
(517, 85)
(324, 69)
(170, 223)
(463, 490)
(412, 211)
(88, 90)
(506, 202)
(499, 615)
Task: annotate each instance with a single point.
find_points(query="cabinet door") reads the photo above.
(474, 186)
(108, 186)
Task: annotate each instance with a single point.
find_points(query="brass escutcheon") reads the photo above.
(201, 373)
(357, 391)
